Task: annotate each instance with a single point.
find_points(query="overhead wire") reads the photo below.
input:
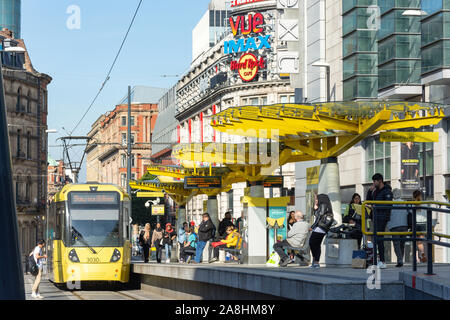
(110, 69)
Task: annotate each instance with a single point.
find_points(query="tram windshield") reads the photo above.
(94, 219)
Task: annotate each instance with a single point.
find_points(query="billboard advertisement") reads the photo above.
(410, 166)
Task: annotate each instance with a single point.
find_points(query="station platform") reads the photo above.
(232, 281)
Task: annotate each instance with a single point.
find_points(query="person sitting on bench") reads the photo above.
(229, 242)
(190, 244)
(295, 238)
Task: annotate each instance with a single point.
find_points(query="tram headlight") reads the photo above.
(116, 256)
(73, 256)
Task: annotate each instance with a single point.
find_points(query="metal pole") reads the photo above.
(429, 245)
(129, 143)
(11, 275)
(375, 238)
(328, 85)
(414, 235)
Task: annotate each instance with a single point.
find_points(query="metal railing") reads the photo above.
(411, 207)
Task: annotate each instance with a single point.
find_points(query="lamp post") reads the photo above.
(327, 66)
(11, 274)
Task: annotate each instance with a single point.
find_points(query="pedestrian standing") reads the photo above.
(421, 226)
(39, 259)
(168, 236)
(323, 213)
(145, 241)
(182, 236)
(157, 240)
(382, 192)
(398, 223)
(206, 230)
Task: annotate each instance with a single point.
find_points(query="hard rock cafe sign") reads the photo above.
(248, 66)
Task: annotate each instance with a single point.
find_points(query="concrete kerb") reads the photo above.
(284, 285)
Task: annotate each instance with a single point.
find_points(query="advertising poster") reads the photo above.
(277, 213)
(312, 186)
(410, 166)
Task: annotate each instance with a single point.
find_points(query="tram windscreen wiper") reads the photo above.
(79, 237)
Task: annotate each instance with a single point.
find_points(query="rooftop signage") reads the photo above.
(238, 3)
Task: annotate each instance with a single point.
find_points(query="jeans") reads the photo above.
(146, 249)
(381, 227)
(168, 248)
(278, 247)
(399, 246)
(199, 252)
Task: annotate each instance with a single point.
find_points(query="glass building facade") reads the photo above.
(435, 35)
(10, 16)
(360, 50)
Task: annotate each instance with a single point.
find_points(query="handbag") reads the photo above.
(216, 244)
(274, 260)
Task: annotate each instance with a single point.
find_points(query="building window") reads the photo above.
(123, 160)
(123, 180)
(133, 176)
(29, 102)
(19, 132)
(287, 98)
(28, 145)
(124, 121)
(124, 139)
(18, 105)
(133, 161)
(132, 121)
(378, 158)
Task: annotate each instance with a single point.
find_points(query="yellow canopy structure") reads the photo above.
(292, 133)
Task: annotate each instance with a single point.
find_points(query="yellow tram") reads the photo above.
(88, 230)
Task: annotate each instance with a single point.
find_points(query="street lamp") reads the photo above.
(326, 65)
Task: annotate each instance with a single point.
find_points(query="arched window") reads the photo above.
(18, 105)
(29, 102)
(19, 133)
(29, 145)
(28, 190)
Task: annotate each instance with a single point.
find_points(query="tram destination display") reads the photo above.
(93, 198)
(273, 182)
(203, 182)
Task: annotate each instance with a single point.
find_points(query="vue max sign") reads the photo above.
(247, 25)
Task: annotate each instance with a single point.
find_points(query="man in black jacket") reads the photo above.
(224, 224)
(206, 232)
(381, 192)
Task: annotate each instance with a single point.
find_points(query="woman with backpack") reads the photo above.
(323, 213)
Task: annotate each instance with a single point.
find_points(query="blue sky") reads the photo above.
(78, 60)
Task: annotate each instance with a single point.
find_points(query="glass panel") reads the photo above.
(387, 149)
(369, 149)
(387, 169)
(367, 87)
(379, 149)
(370, 171)
(432, 6)
(379, 166)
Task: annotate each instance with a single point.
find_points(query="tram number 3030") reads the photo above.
(93, 260)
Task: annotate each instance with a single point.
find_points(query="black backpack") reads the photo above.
(34, 269)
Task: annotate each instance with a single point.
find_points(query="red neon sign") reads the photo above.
(253, 22)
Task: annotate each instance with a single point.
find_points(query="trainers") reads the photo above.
(315, 266)
(381, 265)
(33, 295)
(284, 263)
(213, 260)
(168, 261)
(39, 296)
(399, 265)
